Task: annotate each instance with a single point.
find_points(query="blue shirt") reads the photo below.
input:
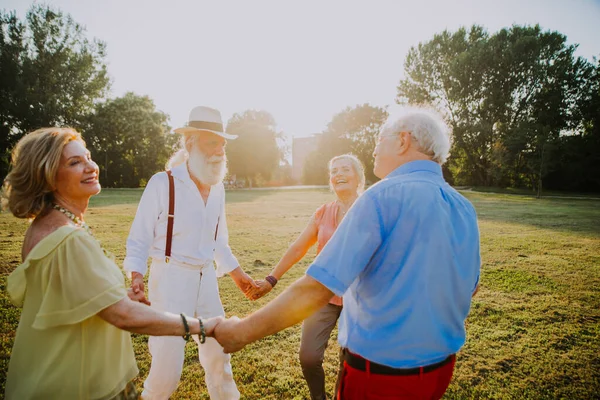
(406, 259)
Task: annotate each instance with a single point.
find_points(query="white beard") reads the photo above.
(209, 171)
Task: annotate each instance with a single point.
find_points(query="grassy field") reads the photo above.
(533, 331)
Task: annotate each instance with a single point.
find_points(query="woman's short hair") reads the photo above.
(359, 169)
(30, 184)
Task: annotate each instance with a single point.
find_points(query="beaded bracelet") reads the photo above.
(272, 280)
(186, 326)
(202, 331)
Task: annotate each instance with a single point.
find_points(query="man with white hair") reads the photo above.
(180, 223)
(406, 261)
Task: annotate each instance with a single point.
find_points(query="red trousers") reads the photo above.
(363, 385)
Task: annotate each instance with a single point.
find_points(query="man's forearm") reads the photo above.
(236, 273)
(297, 302)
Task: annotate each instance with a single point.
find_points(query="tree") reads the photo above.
(315, 171)
(577, 159)
(255, 154)
(353, 130)
(51, 74)
(129, 139)
(360, 125)
(545, 82)
(449, 73)
(508, 98)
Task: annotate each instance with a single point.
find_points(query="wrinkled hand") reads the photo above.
(210, 325)
(244, 282)
(228, 334)
(139, 297)
(137, 288)
(264, 287)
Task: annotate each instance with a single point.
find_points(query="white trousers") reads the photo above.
(179, 288)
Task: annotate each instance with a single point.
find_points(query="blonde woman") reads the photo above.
(73, 339)
(347, 180)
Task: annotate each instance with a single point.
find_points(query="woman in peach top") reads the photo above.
(347, 179)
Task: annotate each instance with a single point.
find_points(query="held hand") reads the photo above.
(244, 282)
(210, 324)
(264, 287)
(228, 334)
(137, 287)
(139, 297)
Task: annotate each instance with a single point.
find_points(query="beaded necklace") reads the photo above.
(80, 223)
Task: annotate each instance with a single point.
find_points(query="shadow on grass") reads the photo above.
(529, 192)
(578, 216)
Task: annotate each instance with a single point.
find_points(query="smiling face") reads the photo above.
(343, 177)
(77, 175)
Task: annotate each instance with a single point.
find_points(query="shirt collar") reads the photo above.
(415, 166)
(181, 172)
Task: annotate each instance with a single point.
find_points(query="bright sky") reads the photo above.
(302, 61)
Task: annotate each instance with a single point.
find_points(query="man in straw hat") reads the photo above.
(180, 223)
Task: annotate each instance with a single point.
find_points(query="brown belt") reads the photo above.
(357, 362)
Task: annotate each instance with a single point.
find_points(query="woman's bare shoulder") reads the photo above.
(40, 228)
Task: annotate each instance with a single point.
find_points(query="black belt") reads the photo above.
(357, 362)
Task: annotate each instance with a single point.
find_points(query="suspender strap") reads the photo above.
(171, 216)
(217, 228)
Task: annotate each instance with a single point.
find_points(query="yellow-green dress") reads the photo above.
(63, 349)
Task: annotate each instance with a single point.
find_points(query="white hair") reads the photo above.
(181, 155)
(426, 127)
(208, 170)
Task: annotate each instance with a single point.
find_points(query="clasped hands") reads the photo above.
(251, 288)
(228, 332)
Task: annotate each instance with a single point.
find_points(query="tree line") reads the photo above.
(52, 75)
(523, 109)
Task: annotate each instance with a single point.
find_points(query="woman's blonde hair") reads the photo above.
(35, 160)
(359, 169)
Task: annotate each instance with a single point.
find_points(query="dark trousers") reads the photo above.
(316, 331)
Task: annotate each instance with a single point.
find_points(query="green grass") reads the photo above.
(531, 192)
(533, 331)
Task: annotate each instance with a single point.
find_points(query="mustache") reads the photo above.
(216, 159)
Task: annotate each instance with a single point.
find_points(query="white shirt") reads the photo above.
(193, 227)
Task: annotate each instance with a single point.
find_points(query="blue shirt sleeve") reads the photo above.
(351, 247)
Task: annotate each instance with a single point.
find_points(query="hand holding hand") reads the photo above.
(137, 288)
(210, 324)
(229, 335)
(139, 297)
(244, 282)
(264, 287)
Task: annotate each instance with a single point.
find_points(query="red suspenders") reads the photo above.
(171, 218)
